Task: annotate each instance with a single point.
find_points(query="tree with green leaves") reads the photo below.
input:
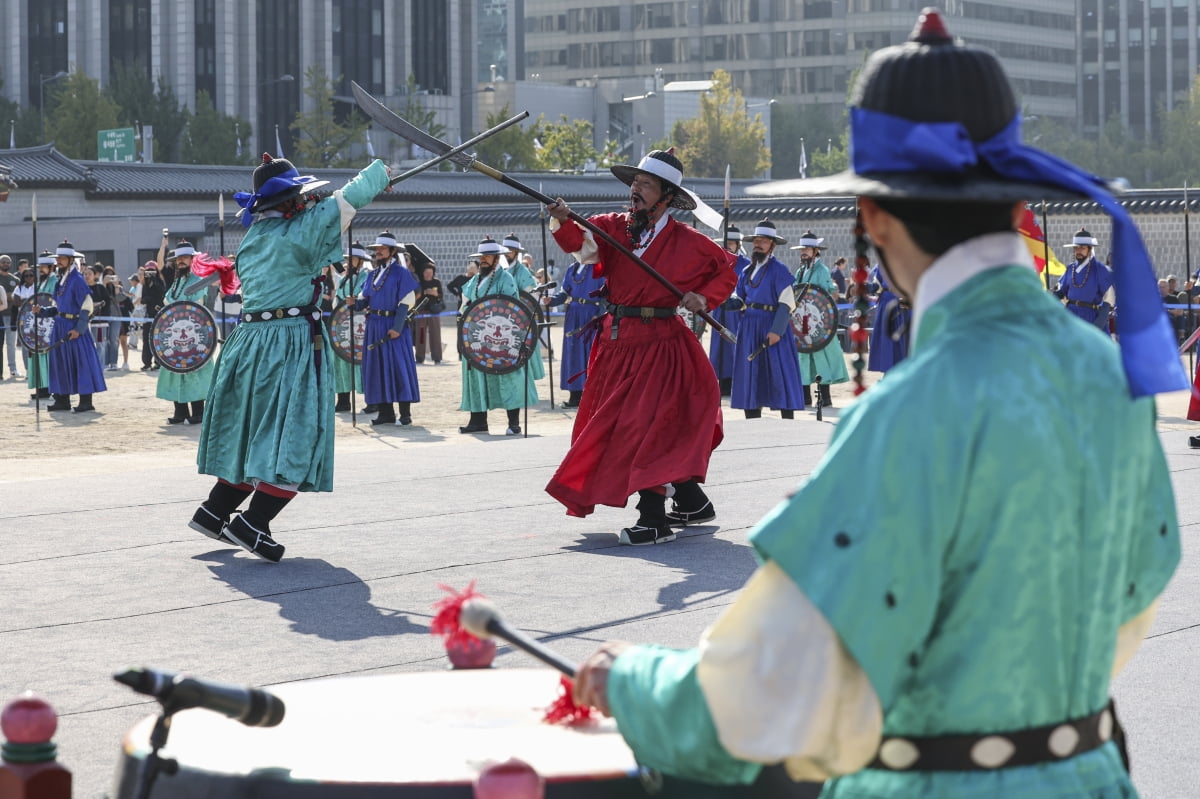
(76, 110)
(322, 141)
(723, 134)
(143, 103)
(566, 145)
(817, 125)
(212, 137)
(511, 148)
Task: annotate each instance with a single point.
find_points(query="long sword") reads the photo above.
(389, 119)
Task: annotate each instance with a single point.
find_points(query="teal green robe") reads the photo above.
(270, 411)
(350, 287)
(192, 386)
(828, 362)
(39, 366)
(973, 542)
(483, 392)
(525, 281)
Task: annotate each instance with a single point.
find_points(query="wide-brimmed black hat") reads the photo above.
(766, 229)
(810, 239)
(664, 165)
(276, 180)
(1083, 239)
(931, 78)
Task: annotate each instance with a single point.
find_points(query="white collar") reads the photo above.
(961, 263)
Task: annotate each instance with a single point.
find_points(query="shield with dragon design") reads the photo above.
(343, 324)
(183, 336)
(815, 319)
(496, 334)
(35, 331)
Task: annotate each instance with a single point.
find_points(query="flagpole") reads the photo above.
(549, 334)
(37, 335)
(1187, 259)
(724, 246)
(1045, 246)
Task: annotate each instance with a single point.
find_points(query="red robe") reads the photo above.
(651, 413)
(1193, 413)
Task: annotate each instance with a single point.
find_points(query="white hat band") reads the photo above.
(662, 169)
(807, 242)
(385, 241)
(511, 244)
(769, 232)
(733, 235)
(45, 260)
(67, 251)
(189, 250)
(1083, 241)
(358, 252)
(490, 248)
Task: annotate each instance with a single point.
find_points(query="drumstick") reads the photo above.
(481, 619)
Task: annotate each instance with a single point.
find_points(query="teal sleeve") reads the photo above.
(1154, 552)
(366, 185)
(660, 710)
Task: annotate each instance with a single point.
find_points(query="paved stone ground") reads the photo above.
(98, 571)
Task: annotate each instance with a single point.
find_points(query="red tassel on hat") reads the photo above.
(267, 158)
(464, 649)
(564, 710)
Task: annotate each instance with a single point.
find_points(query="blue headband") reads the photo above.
(272, 186)
(882, 143)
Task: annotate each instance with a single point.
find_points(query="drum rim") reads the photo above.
(831, 330)
(339, 352)
(21, 312)
(527, 347)
(212, 320)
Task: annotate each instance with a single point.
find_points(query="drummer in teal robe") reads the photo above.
(184, 388)
(829, 362)
(526, 282)
(941, 606)
(268, 429)
(37, 370)
(484, 392)
(347, 376)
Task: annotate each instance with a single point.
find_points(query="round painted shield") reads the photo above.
(340, 330)
(539, 315)
(694, 321)
(183, 336)
(815, 319)
(496, 334)
(32, 329)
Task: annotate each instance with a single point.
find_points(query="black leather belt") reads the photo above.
(294, 312)
(373, 312)
(69, 315)
(1092, 305)
(643, 312)
(586, 302)
(758, 306)
(1047, 744)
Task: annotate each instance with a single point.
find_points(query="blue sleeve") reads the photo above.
(401, 318)
(660, 710)
(81, 324)
(782, 319)
(558, 299)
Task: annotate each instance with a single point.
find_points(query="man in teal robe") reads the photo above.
(347, 376)
(269, 426)
(829, 362)
(941, 606)
(185, 388)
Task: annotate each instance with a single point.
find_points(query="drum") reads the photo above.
(694, 321)
(34, 330)
(497, 334)
(406, 736)
(340, 331)
(535, 307)
(815, 319)
(183, 336)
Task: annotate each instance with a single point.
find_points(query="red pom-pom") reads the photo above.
(564, 710)
(267, 158)
(930, 28)
(858, 334)
(446, 621)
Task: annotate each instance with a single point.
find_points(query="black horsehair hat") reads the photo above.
(664, 165)
(930, 78)
(275, 168)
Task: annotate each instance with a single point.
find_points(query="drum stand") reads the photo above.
(154, 763)
(549, 355)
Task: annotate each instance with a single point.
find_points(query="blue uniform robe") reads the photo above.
(389, 371)
(720, 351)
(1086, 282)
(578, 285)
(772, 379)
(890, 321)
(74, 366)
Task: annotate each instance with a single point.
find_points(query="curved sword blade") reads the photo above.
(397, 124)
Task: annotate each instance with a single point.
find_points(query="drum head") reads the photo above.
(28, 323)
(183, 336)
(815, 320)
(340, 331)
(496, 334)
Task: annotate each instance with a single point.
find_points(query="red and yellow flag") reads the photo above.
(1035, 240)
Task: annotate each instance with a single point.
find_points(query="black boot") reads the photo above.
(405, 413)
(477, 424)
(726, 384)
(181, 414)
(197, 412)
(573, 399)
(85, 404)
(514, 422)
(807, 396)
(372, 408)
(41, 393)
(652, 525)
(387, 414)
(343, 402)
(251, 530)
(826, 399)
(62, 402)
(786, 414)
(753, 413)
(690, 505)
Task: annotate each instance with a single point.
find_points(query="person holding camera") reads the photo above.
(429, 324)
(154, 294)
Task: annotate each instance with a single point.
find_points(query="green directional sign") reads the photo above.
(116, 145)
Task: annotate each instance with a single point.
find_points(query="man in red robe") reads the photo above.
(651, 414)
